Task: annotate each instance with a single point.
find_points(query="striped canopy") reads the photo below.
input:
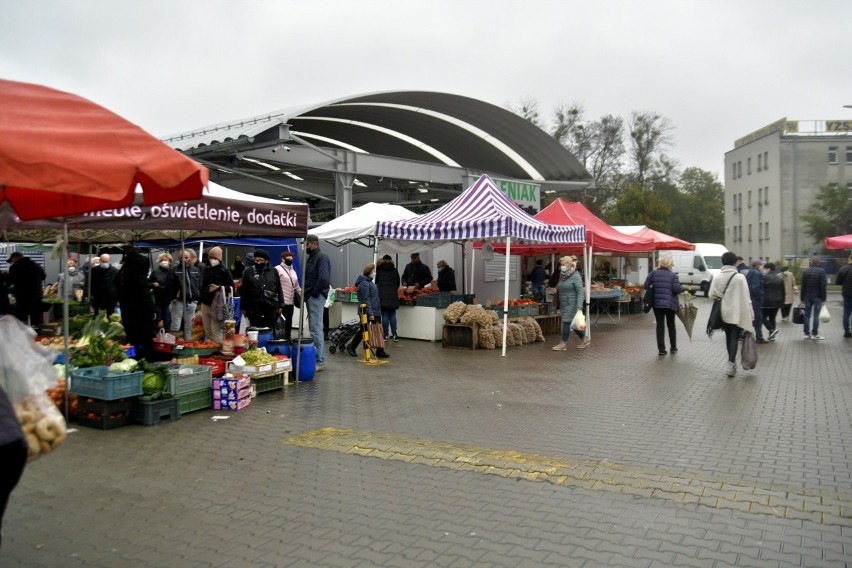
(481, 212)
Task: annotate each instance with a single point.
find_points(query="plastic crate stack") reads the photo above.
(191, 385)
(105, 398)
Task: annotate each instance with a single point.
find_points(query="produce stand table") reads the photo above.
(413, 322)
(602, 301)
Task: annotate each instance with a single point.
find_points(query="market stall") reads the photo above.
(482, 211)
(839, 243)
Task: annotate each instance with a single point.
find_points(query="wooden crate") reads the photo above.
(458, 336)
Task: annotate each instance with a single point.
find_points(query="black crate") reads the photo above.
(159, 411)
(105, 414)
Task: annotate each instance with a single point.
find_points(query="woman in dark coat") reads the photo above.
(773, 298)
(136, 301)
(387, 281)
(666, 288)
(368, 294)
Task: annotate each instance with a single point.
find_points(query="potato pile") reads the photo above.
(43, 427)
(454, 312)
(478, 315)
(532, 330)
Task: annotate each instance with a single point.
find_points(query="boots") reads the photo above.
(382, 354)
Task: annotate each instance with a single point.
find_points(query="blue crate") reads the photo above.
(101, 383)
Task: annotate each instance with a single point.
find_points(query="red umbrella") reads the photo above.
(61, 154)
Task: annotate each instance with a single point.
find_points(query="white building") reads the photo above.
(773, 175)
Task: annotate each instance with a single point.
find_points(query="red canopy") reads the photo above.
(61, 154)
(839, 243)
(663, 241)
(600, 236)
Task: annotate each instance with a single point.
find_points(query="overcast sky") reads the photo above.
(717, 69)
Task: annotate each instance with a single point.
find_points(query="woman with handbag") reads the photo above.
(666, 287)
(290, 289)
(569, 293)
(368, 294)
(731, 288)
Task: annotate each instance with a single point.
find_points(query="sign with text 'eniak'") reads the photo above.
(524, 193)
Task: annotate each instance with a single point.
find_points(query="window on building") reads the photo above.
(733, 170)
(735, 234)
(832, 154)
(760, 196)
(766, 230)
(749, 199)
(748, 166)
(766, 160)
(760, 231)
(759, 162)
(739, 169)
(849, 154)
(749, 232)
(766, 195)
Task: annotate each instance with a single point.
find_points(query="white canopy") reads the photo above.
(359, 225)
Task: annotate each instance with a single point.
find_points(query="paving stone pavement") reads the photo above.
(608, 456)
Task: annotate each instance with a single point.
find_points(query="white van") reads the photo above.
(697, 267)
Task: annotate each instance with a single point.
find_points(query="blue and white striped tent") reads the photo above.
(481, 212)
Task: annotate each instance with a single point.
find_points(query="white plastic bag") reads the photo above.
(579, 321)
(167, 337)
(25, 375)
(824, 316)
(331, 297)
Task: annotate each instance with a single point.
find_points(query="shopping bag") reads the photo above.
(799, 315)
(25, 376)
(377, 335)
(329, 299)
(579, 321)
(824, 316)
(280, 330)
(164, 337)
(715, 321)
(748, 356)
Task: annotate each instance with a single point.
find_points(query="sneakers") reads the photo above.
(817, 337)
(732, 368)
(320, 367)
(663, 352)
(807, 336)
(772, 334)
(395, 338)
(674, 350)
(761, 340)
(585, 343)
(560, 346)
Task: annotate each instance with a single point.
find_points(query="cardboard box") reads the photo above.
(232, 404)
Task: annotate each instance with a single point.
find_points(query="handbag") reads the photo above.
(824, 316)
(715, 321)
(579, 321)
(799, 315)
(377, 335)
(648, 300)
(297, 299)
(748, 356)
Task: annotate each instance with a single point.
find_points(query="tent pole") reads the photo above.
(587, 260)
(65, 311)
(472, 269)
(464, 247)
(302, 309)
(506, 293)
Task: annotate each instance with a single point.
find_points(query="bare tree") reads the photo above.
(527, 108)
(650, 136)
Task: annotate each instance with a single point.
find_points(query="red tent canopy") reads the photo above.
(61, 154)
(664, 241)
(600, 236)
(839, 243)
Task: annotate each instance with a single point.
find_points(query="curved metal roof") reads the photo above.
(429, 127)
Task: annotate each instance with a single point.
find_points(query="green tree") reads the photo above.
(700, 216)
(830, 214)
(650, 136)
(636, 206)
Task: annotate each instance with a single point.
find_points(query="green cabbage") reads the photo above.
(153, 382)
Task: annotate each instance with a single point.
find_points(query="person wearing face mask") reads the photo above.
(261, 297)
(446, 277)
(215, 277)
(290, 289)
(104, 291)
(72, 282)
(317, 283)
(184, 285)
(159, 285)
(569, 289)
(368, 293)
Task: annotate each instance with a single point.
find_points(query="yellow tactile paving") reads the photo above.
(681, 487)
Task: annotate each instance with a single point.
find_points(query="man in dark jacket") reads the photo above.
(773, 298)
(813, 295)
(104, 294)
(262, 299)
(26, 278)
(317, 283)
(416, 273)
(844, 279)
(137, 302)
(755, 289)
(446, 277)
(184, 284)
(387, 281)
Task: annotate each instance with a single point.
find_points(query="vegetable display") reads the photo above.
(258, 357)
